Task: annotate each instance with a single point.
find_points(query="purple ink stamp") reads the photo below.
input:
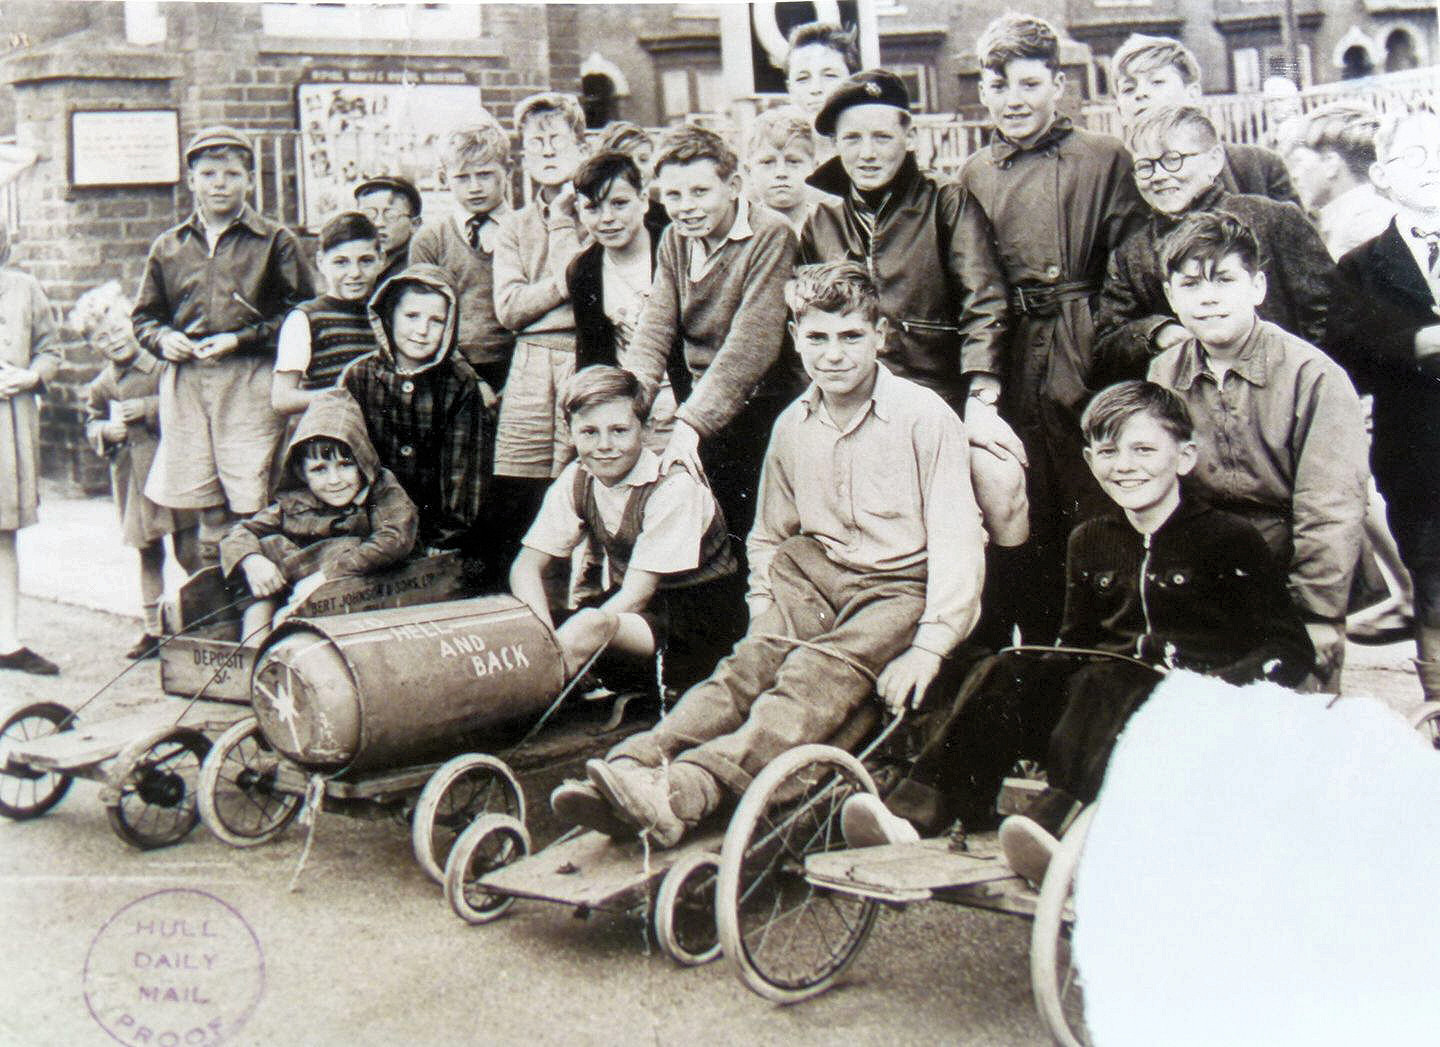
(177, 968)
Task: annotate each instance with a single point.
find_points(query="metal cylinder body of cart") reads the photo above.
(363, 708)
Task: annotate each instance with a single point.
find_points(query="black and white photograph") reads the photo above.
(841, 521)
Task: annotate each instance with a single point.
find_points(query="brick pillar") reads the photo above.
(73, 239)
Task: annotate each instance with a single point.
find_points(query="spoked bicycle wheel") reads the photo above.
(1054, 977)
(493, 842)
(24, 792)
(685, 910)
(785, 938)
(150, 797)
(459, 792)
(239, 801)
(1426, 720)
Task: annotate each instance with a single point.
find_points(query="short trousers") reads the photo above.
(533, 440)
(218, 436)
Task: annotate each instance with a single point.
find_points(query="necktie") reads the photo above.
(472, 230)
(1432, 243)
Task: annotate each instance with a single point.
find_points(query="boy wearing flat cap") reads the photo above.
(393, 203)
(929, 248)
(214, 292)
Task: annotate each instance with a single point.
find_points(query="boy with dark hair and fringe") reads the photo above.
(1149, 72)
(1161, 577)
(1385, 329)
(867, 553)
(1330, 152)
(1280, 428)
(1060, 198)
(214, 292)
(660, 541)
(1177, 162)
(718, 301)
(821, 55)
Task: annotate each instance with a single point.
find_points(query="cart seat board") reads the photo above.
(92, 743)
(592, 870)
(906, 867)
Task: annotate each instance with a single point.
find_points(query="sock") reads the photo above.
(694, 792)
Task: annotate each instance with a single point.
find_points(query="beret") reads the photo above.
(868, 87)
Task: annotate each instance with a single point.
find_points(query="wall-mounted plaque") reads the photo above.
(124, 147)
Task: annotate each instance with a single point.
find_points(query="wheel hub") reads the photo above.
(161, 788)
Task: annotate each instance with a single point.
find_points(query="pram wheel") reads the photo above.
(26, 793)
(493, 842)
(787, 939)
(150, 798)
(1054, 978)
(238, 799)
(1426, 720)
(458, 793)
(685, 910)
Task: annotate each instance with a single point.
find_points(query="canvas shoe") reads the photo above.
(580, 803)
(1028, 847)
(866, 822)
(641, 794)
(25, 660)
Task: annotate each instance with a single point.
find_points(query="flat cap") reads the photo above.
(215, 137)
(395, 183)
(867, 87)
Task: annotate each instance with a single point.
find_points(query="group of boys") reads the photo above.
(1059, 260)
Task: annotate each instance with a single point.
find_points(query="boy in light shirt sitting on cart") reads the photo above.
(866, 564)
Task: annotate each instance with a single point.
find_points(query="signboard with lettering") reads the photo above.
(124, 147)
(372, 123)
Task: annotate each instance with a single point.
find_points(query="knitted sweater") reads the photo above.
(339, 332)
(482, 338)
(730, 323)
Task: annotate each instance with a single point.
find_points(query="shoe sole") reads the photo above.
(612, 786)
(591, 811)
(862, 827)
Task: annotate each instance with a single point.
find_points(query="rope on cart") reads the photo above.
(309, 813)
(565, 691)
(840, 656)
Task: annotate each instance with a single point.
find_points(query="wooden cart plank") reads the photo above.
(593, 871)
(90, 744)
(907, 867)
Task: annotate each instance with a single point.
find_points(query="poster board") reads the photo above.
(112, 148)
(355, 123)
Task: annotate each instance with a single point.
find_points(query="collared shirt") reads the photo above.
(699, 258)
(887, 492)
(1356, 215)
(675, 520)
(244, 282)
(488, 225)
(1282, 443)
(1407, 222)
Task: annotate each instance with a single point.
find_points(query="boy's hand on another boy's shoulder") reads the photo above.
(905, 680)
(263, 577)
(176, 346)
(985, 428)
(1168, 336)
(683, 450)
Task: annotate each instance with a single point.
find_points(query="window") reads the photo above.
(379, 22)
(690, 89)
(917, 78)
(1253, 66)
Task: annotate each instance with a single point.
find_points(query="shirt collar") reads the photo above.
(143, 362)
(1004, 151)
(1252, 363)
(646, 470)
(740, 228)
(882, 398)
(247, 217)
(462, 220)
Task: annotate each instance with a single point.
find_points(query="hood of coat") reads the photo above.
(382, 303)
(335, 414)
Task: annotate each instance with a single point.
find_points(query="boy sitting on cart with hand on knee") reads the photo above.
(866, 564)
(661, 540)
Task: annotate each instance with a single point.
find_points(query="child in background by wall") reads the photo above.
(122, 423)
(320, 337)
(343, 515)
(393, 204)
(27, 327)
(779, 156)
(822, 54)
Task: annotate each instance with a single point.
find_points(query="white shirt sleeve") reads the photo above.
(558, 528)
(673, 527)
(292, 347)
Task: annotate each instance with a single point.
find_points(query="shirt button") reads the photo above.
(406, 451)
(1052, 272)
(407, 387)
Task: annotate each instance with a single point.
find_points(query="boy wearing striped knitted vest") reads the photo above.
(320, 337)
(661, 539)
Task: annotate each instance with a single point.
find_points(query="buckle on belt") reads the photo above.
(1020, 303)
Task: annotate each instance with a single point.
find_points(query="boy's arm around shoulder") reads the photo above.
(1282, 652)
(753, 337)
(394, 523)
